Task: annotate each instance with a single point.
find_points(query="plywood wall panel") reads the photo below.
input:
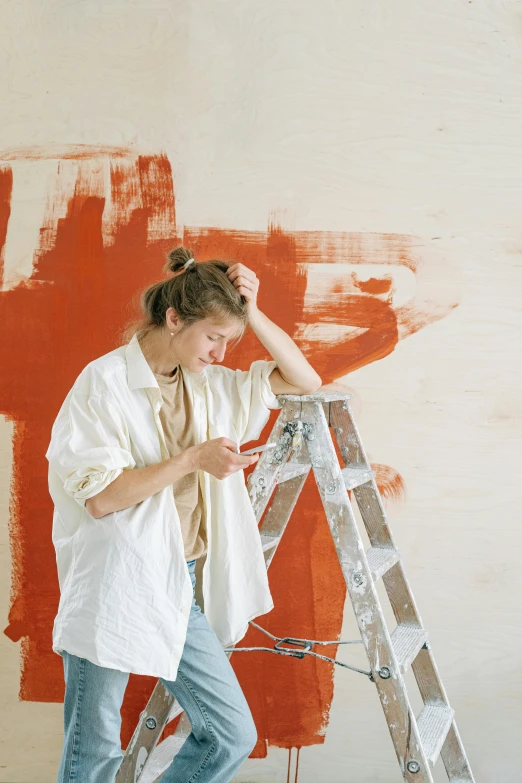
(367, 159)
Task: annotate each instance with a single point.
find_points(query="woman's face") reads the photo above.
(203, 342)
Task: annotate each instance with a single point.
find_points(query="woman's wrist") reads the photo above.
(187, 460)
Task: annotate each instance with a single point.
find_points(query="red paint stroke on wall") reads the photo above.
(6, 190)
(390, 482)
(95, 256)
(374, 285)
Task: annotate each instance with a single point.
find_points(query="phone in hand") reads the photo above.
(264, 447)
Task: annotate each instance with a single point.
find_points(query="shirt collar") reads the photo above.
(140, 375)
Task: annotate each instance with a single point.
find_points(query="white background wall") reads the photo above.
(351, 116)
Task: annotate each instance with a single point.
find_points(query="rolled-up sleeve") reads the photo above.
(89, 445)
(256, 399)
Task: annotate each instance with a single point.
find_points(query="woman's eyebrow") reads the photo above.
(221, 335)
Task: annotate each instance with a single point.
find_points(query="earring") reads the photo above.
(172, 334)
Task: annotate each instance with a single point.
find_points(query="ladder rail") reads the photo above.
(353, 455)
(161, 707)
(279, 512)
(365, 601)
(269, 471)
(454, 757)
(373, 514)
(398, 589)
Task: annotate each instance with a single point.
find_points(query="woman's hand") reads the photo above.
(246, 283)
(220, 457)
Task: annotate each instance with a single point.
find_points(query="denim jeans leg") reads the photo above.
(223, 731)
(92, 721)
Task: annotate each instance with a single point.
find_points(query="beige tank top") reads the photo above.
(176, 416)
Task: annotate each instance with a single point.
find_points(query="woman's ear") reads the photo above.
(171, 318)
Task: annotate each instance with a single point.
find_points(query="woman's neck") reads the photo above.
(154, 348)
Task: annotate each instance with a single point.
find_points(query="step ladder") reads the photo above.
(304, 442)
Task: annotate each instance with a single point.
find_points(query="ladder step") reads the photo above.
(407, 640)
(433, 723)
(354, 477)
(293, 469)
(381, 559)
(267, 542)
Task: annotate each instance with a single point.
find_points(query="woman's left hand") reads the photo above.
(246, 283)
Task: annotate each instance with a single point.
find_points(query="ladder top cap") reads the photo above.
(316, 397)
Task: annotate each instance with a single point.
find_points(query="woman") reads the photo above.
(146, 480)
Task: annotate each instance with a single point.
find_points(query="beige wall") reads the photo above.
(346, 116)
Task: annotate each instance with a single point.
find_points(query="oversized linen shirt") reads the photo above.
(125, 590)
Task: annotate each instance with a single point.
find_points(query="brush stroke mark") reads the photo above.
(6, 192)
(390, 482)
(67, 152)
(108, 225)
(375, 285)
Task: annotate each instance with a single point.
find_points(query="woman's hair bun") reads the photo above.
(177, 258)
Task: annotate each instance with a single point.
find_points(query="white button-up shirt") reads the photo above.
(125, 590)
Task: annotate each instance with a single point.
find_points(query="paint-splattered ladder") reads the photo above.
(304, 442)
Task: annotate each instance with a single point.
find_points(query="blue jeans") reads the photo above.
(223, 731)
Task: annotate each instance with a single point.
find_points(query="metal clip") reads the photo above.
(304, 643)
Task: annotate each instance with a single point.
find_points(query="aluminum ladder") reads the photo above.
(304, 442)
